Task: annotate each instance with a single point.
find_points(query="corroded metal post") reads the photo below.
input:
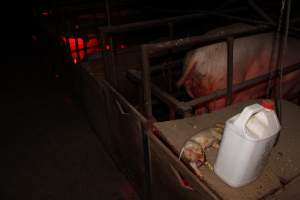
(230, 42)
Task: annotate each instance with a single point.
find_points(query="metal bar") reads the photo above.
(203, 39)
(68, 45)
(282, 50)
(77, 47)
(147, 163)
(184, 109)
(85, 49)
(146, 131)
(148, 24)
(240, 86)
(230, 44)
(103, 52)
(113, 63)
(167, 65)
(260, 11)
(146, 82)
(171, 155)
(164, 96)
(169, 71)
(159, 22)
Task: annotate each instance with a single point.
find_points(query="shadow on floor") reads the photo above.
(48, 148)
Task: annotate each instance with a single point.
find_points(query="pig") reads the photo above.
(205, 68)
(195, 147)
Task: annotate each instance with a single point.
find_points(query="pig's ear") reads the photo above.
(187, 73)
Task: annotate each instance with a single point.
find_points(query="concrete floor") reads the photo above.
(48, 149)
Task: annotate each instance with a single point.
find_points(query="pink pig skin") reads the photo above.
(206, 68)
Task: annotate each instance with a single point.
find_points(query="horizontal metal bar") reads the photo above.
(167, 65)
(85, 48)
(240, 86)
(164, 96)
(149, 24)
(166, 21)
(197, 40)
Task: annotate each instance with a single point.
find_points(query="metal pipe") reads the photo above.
(146, 82)
(203, 39)
(230, 44)
(77, 47)
(167, 65)
(283, 44)
(159, 22)
(113, 63)
(147, 163)
(148, 24)
(240, 86)
(169, 71)
(146, 128)
(68, 45)
(103, 52)
(85, 49)
(164, 96)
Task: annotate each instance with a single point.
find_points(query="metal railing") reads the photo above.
(185, 108)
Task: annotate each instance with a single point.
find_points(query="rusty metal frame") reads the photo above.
(145, 134)
(111, 68)
(185, 108)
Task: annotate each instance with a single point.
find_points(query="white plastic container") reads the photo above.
(247, 141)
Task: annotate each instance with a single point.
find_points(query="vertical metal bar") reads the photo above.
(141, 97)
(85, 56)
(146, 82)
(283, 44)
(67, 38)
(147, 163)
(68, 44)
(77, 49)
(104, 58)
(169, 72)
(114, 74)
(230, 41)
(99, 41)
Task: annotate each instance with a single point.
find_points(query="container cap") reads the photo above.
(267, 103)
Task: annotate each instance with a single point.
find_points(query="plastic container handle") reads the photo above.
(245, 115)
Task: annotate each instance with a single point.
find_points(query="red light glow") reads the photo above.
(92, 45)
(107, 47)
(45, 13)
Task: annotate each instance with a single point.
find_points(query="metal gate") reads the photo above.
(118, 125)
